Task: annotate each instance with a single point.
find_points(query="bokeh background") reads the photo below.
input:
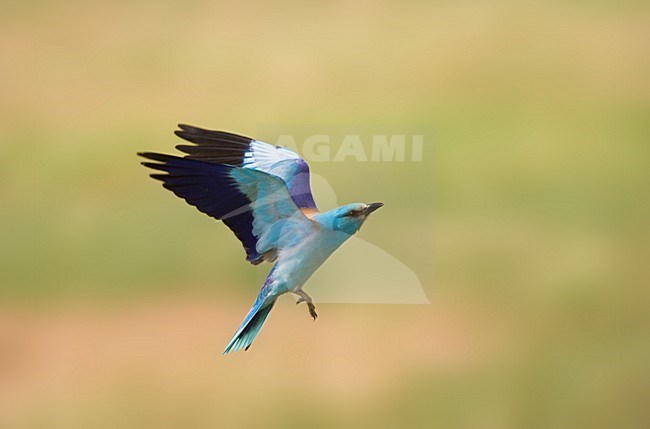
(527, 222)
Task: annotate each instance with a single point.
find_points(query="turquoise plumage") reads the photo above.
(262, 193)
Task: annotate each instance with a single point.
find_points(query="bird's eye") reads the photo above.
(354, 213)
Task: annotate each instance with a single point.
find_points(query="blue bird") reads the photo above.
(262, 193)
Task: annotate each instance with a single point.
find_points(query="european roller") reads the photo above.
(262, 193)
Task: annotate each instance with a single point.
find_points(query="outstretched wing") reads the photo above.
(219, 147)
(255, 205)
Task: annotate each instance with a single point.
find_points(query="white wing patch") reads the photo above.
(263, 156)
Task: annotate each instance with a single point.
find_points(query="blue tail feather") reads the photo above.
(250, 327)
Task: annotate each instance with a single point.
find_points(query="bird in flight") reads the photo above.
(262, 193)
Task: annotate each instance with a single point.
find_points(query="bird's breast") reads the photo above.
(296, 264)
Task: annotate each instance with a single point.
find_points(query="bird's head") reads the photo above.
(350, 217)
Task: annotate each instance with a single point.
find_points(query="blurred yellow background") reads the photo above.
(526, 222)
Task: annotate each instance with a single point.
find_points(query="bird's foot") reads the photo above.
(306, 298)
(312, 310)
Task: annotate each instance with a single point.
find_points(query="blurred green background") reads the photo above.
(527, 221)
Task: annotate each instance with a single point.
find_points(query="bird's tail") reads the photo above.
(250, 326)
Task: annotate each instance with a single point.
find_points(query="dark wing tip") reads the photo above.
(161, 157)
(154, 165)
(161, 177)
(192, 133)
(191, 129)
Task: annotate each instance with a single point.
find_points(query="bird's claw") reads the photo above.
(312, 310)
(306, 298)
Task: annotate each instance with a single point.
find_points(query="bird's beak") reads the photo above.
(372, 207)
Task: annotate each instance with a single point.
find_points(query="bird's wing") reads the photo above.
(219, 147)
(255, 205)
